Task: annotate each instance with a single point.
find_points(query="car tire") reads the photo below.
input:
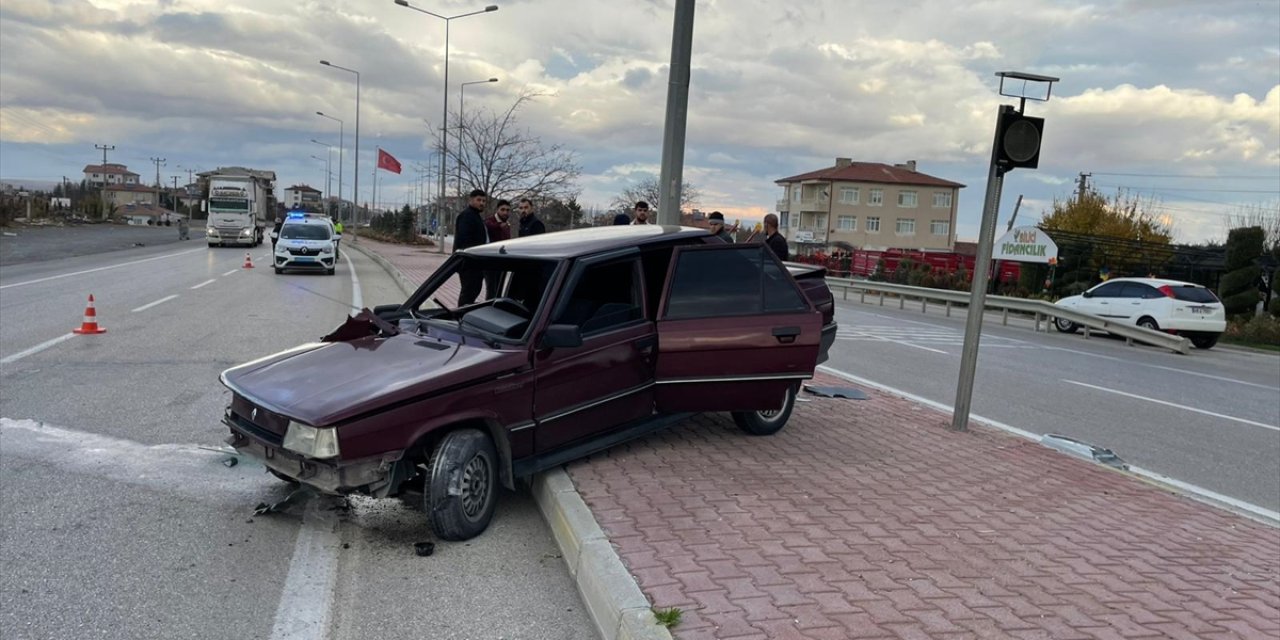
(330, 272)
(1147, 322)
(1065, 326)
(463, 488)
(279, 270)
(1204, 340)
(767, 423)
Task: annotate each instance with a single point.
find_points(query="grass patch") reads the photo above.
(1259, 332)
(668, 618)
(391, 238)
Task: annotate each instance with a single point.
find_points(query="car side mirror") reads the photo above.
(559, 336)
(1087, 294)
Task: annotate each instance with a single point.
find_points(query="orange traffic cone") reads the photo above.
(248, 262)
(90, 324)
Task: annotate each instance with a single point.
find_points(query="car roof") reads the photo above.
(1156, 282)
(310, 221)
(586, 241)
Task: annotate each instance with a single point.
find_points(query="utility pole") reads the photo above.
(669, 182)
(102, 194)
(173, 198)
(104, 148)
(1083, 186)
(159, 162)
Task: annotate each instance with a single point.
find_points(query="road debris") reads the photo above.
(424, 548)
(837, 392)
(278, 506)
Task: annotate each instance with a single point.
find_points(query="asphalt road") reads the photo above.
(38, 243)
(119, 518)
(1211, 418)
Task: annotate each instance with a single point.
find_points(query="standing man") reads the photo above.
(715, 222)
(337, 238)
(275, 233)
(774, 239)
(470, 231)
(642, 213)
(498, 226)
(530, 225)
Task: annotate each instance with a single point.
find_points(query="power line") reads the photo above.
(1195, 190)
(1179, 175)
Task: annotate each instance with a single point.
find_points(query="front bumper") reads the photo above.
(371, 476)
(234, 241)
(322, 261)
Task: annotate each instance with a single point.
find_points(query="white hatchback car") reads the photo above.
(1176, 307)
(306, 242)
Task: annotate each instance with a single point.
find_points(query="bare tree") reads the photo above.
(1259, 215)
(648, 190)
(507, 161)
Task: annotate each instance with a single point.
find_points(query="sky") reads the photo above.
(1176, 100)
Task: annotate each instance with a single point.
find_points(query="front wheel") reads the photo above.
(1064, 325)
(1204, 340)
(463, 487)
(1147, 322)
(768, 422)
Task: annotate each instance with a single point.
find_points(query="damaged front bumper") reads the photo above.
(378, 476)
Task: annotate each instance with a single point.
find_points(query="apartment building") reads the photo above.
(302, 196)
(869, 205)
(99, 175)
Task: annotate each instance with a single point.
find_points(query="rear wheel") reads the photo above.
(463, 487)
(768, 422)
(1065, 326)
(1204, 340)
(1147, 322)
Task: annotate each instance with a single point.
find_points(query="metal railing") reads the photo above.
(1038, 309)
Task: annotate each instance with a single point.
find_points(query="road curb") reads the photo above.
(613, 599)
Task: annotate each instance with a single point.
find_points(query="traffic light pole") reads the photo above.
(978, 289)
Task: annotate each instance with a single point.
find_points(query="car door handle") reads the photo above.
(786, 335)
(646, 344)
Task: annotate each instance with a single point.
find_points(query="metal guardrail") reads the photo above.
(1039, 309)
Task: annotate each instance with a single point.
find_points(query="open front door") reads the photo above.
(734, 331)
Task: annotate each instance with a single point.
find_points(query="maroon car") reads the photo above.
(587, 338)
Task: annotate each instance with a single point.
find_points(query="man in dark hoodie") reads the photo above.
(469, 231)
(530, 225)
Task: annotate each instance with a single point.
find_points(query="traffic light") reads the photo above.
(1018, 141)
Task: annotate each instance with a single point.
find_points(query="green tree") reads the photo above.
(404, 224)
(1239, 286)
(560, 215)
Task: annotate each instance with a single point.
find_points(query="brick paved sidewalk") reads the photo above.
(869, 519)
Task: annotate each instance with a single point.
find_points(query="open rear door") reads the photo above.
(734, 331)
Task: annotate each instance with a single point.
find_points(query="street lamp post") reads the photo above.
(444, 127)
(341, 144)
(328, 174)
(356, 186)
(462, 101)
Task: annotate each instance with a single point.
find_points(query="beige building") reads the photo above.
(126, 194)
(98, 175)
(869, 205)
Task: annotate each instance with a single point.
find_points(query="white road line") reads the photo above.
(905, 344)
(152, 304)
(230, 272)
(36, 349)
(1174, 369)
(357, 300)
(114, 266)
(1176, 406)
(205, 283)
(1194, 491)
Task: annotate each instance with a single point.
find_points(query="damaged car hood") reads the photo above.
(324, 383)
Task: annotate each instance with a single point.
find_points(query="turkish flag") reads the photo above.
(388, 162)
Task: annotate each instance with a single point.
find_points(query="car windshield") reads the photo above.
(228, 205)
(512, 288)
(304, 232)
(1188, 293)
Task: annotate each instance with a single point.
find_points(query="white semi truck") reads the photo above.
(241, 205)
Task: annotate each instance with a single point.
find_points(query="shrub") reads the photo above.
(1238, 288)
(1258, 329)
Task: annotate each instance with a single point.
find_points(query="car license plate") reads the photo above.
(304, 259)
(1200, 309)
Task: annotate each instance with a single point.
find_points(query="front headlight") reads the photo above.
(310, 441)
(326, 249)
(246, 232)
(211, 231)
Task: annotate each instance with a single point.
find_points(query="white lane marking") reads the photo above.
(205, 283)
(307, 596)
(230, 272)
(114, 266)
(357, 300)
(305, 602)
(152, 304)
(36, 349)
(1195, 491)
(1174, 405)
(1174, 369)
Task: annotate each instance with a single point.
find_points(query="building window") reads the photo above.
(906, 226)
(876, 198)
(907, 199)
(942, 199)
(848, 223)
(848, 195)
(95, 175)
(783, 219)
(940, 227)
(873, 225)
(795, 193)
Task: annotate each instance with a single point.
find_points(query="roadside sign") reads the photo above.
(1025, 244)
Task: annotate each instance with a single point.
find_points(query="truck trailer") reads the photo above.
(240, 203)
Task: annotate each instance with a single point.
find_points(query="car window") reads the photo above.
(606, 296)
(304, 232)
(729, 282)
(1139, 290)
(1189, 293)
(1108, 290)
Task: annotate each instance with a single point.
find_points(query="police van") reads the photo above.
(306, 242)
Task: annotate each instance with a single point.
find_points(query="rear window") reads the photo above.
(1194, 294)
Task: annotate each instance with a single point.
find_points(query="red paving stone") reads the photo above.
(870, 519)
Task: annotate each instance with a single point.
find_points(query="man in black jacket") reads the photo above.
(530, 225)
(774, 239)
(470, 231)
